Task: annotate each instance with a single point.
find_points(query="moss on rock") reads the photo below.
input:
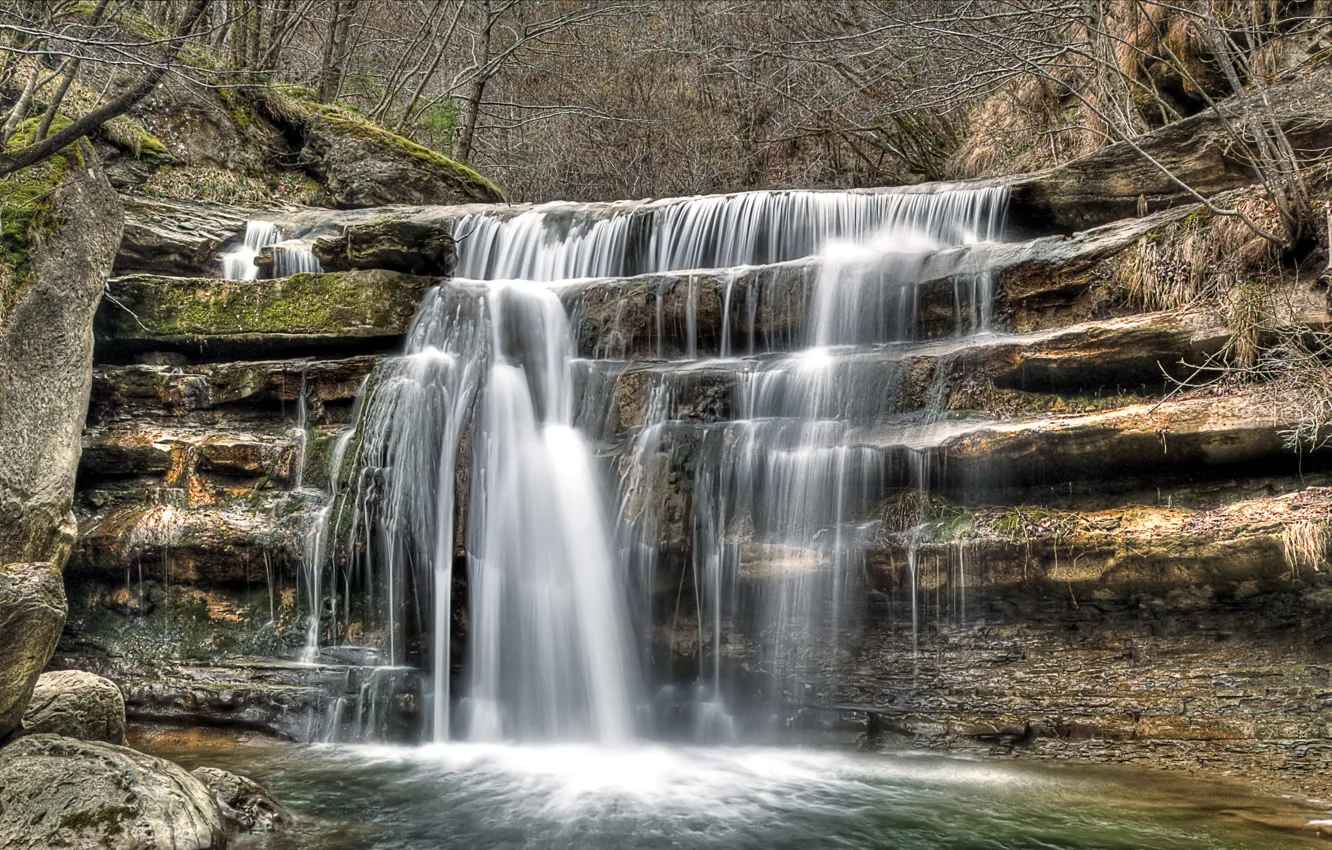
(323, 307)
(26, 210)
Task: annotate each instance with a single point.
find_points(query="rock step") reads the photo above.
(177, 453)
(213, 319)
(279, 698)
(1134, 353)
(135, 391)
(230, 543)
(1182, 557)
(178, 237)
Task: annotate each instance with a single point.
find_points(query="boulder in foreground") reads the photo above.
(59, 792)
(77, 705)
(32, 613)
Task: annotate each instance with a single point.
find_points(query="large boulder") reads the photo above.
(62, 225)
(59, 792)
(32, 612)
(245, 802)
(362, 165)
(414, 247)
(77, 705)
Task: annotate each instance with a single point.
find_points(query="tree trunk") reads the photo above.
(473, 108)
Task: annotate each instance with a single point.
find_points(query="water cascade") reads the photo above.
(480, 444)
(288, 258)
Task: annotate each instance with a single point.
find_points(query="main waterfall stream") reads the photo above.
(503, 520)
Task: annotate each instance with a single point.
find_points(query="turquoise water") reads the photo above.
(478, 797)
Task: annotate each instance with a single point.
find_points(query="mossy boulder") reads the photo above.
(363, 165)
(60, 792)
(306, 312)
(62, 222)
(32, 613)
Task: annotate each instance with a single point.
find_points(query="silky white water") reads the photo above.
(475, 467)
(288, 257)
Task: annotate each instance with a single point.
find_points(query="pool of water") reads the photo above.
(479, 797)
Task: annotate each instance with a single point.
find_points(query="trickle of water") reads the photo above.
(288, 257)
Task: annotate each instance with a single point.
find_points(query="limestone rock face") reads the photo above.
(59, 792)
(46, 345)
(244, 802)
(77, 705)
(405, 246)
(32, 612)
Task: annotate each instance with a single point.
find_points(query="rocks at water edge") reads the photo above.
(414, 247)
(245, 802)
(59, 792)
(76, 704)
(32, 612)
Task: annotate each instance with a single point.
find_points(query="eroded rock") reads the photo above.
(76, 704)
(59, 792)
(402, 246)
(32, 612)
(245, 802)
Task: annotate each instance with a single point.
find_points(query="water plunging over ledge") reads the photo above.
(560, 585)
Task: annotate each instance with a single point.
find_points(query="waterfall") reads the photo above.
(484, 451)
(288, 257)
(563, 241)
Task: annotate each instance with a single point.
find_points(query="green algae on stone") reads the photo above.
(25, 208)
(324, 307)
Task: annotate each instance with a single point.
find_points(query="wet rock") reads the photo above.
(402, 246)
(134, 391)
(32, 612)
(59, 792)
(177, 237)
(244, 802)
(221, 319)
(46, 347)
(230, 544)
(76, 704)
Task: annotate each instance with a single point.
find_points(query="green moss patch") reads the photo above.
(26, 209)
(333, 305)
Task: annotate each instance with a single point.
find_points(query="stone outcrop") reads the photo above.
(76, 704)
(1199, 151)
(220, 319)
(32, 612)
(53, 284)
(59, 792)
(176, 237)
(362, 165)
(402, 246)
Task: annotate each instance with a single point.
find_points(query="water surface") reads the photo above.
(484, 797)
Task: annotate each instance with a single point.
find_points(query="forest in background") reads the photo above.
(567, 99)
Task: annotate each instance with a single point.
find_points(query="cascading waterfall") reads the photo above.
(288, 258)
(484, 404)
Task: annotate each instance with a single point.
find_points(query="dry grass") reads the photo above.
(1305, 545)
